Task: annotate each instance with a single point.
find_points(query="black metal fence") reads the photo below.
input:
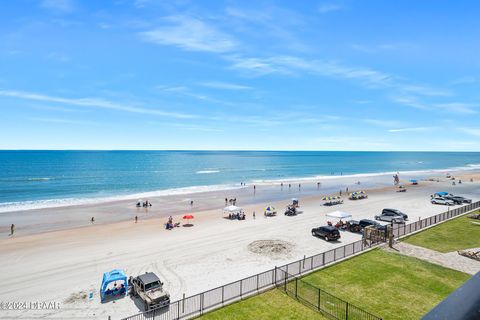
(316, 298)
(206, 301)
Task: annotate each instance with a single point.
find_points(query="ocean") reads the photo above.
(35, 179)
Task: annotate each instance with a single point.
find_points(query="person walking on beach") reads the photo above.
(253, 215)
(318, 185)
(340, 193)
(289, 185)
(92, 220)
(12, 229)
(136, 219)
(299, 186)
(191, 203)
(226, 201)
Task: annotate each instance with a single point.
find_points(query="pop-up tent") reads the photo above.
(338, 215)
(232, 210)
(115, 276)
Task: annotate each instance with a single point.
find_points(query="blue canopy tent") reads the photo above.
(441, 194)
(116, 275)
(413, 181)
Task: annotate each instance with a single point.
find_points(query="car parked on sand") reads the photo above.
(149, 289)
(357, 226)
(457, 199)
(392, 215)
(367, 222)
(326, 232)
(442, 201)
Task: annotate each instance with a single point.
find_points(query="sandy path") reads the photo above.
(54, 266)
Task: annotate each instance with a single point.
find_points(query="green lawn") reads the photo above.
(389, 285)
(457, 234)
(273, 304)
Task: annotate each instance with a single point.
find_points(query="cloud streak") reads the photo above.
(191, 34)
(223, 85)
(92, 103)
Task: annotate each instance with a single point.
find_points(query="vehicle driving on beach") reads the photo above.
(149, 289)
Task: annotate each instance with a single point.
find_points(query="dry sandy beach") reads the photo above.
(66, 265)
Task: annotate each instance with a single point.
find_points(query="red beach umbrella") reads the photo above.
(188, 216)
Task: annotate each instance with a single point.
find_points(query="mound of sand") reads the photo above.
(274, 249)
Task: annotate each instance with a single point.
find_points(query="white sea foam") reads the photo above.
(55, 203)
(207, 171)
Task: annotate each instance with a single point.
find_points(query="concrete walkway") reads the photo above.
(450, 260)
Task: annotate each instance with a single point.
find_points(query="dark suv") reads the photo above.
(327, 232)
(457, 199)
(366, 223)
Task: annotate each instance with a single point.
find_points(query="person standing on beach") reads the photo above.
(340, 193)
(299, 186)
(12, 229)
(191, 203)
(226, 201)
(253, 215)
(92, 220)
(318, 185)
(136, 219)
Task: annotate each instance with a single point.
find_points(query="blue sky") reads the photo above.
(283, 75)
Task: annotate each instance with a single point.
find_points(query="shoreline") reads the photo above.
(43, 220)
(21, 206)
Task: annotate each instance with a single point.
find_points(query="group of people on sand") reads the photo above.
(144, 204)
(231, 201)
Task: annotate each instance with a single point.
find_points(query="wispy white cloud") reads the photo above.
(63, 121)
(415, 129)
(59, 6)
(292, 65)
(92, 103)
(191, 34)
(425, 90)
(457, 107)
(224, 85)
(383, 122)
(471, 131)
(329, 7)
(411, 102)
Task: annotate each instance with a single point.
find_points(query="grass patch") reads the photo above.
(389, 285)
(453, 235)
(273, 304)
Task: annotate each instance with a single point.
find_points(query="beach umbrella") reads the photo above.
(269, 209)
(188, 216)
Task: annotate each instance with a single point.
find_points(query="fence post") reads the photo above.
(241, 288)
(275, 276)
(346, 311)
(223, 294)
(323, 258)
(319, 298)
(344, 251)
(201, 303)
(257, 281)
(296, 287)
(178, 310)
(183, 303)
(300, 266)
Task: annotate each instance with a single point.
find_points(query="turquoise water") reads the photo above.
(40, 177)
